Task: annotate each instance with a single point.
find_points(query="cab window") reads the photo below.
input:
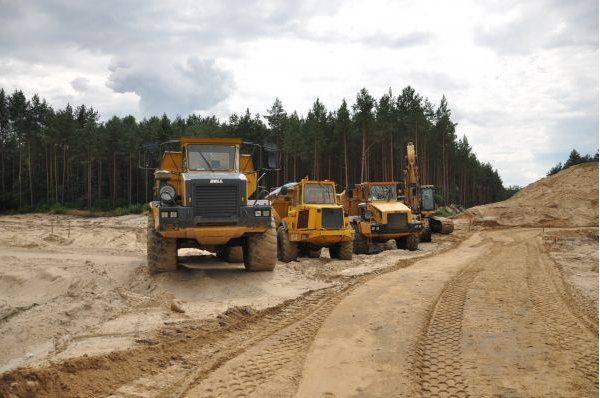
(318, 194)
(204, 157)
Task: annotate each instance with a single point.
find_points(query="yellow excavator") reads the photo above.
(421, 200)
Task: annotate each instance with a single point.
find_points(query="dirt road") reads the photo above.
(505, 312)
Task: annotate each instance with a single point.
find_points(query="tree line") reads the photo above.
(69, 157)
(574, 158)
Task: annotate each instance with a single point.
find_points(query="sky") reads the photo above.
(521, 77)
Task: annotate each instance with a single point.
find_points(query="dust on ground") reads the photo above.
(566, 199)
(71, 286)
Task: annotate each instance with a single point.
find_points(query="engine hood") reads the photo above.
(213, 177)
(390, 207)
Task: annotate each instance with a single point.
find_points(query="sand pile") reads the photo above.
(566, 199)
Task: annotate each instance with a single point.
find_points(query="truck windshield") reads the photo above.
(203, 157)
(319, 194)
(382, 192)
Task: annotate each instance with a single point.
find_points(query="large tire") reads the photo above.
(161, 252)
(314, 253)
(260, 251)
(361, 242)
(286, 251)
(342, 250)
(233, 254)
(409, 242)
(412, 242)
(425, 235)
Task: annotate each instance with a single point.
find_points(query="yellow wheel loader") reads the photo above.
(308, 218)
(205, 196)
(377, 216)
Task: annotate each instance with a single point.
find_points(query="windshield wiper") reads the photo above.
(206, 161)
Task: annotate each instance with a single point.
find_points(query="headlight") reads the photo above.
(167, 194)
(266, 213)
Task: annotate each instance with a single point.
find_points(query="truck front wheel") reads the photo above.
(260, 251)
(342, 250)
(286, 251)
(409, 242)
(161, 252)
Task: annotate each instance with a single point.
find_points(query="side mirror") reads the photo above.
(349, 194)
(272, 152)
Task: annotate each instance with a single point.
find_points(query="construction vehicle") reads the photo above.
(203, 199)
(309, 217)
(421, 199)
(377, 216)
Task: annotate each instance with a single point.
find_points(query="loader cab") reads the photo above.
(427, 198)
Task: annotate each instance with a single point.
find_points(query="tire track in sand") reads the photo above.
(574, 339)
(437, 359)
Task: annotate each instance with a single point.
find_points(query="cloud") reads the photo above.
(520, 27)
(170, 87)
(521, 77)
(80, 84)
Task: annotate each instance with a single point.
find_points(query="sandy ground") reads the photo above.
(506, 306)
(568, 199)
(71, 286)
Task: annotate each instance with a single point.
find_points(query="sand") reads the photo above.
(566, 199)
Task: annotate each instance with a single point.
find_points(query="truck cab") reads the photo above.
(378, 216)
(309, 217)
(205, 196)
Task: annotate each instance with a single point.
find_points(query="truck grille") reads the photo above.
(397, 220)
(216, 201)
(332, 218)
(303, 219)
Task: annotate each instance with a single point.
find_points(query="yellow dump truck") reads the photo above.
(377, 216)
(205, 197)
(309, 217)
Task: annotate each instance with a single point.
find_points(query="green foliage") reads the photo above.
(58, 160)
(574, 158)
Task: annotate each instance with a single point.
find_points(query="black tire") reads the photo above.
(314, 253)
(412, 242)
(361, 242)
(425, 235)
(233, 254)
(342, 250)
(161, 252)
(409, 242)
(286, 251)
(260, 251)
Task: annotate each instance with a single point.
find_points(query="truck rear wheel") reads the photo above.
(342, 250)
(260, 251)
(361, 242)
(161, 252)
(409, 242)
(286, 251)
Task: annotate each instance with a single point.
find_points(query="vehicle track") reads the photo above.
(274, 343)
(574, 338)
(437, 362)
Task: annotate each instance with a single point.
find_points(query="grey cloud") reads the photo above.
(173, 88)
(409, 40)
(80, 84)
(542, 24)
